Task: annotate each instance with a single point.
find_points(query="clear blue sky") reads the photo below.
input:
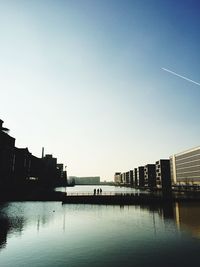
(83, 78)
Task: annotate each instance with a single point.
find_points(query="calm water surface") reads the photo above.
(51, 234)
(106, 189)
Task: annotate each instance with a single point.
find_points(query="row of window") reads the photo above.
(188, 154)
(188, 169)
(186, 158)
(188, 164)
(187, 179)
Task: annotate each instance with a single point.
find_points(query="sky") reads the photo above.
(84, 80)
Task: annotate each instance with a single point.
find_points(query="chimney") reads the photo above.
(42, 152)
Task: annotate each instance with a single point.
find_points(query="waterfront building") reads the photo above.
(22, 164)
(140, 176)
(7, 144)
(117, 178)
(94, 180)
(49, 170)
(131, 177)
(185, 167)
(123, 178)
(61, 174)
(127, 178)
(150, 175)
(135, 179)
(18, 165)
(163, 176)
(60, 170)
(36, 167)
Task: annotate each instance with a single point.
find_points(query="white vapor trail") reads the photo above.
(183, 77)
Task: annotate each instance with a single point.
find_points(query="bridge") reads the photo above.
(111, 198)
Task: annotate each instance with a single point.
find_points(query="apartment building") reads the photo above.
(185, 167)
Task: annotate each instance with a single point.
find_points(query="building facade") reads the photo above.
(7, 146)
(135, 179)
(22, 164)
(117, 178)
(163, 175)
(140, 176)
(185, 167)
(150, 175)
(95, 180)
(131, 177)
(49, 170)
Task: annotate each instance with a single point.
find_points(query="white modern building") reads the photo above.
(95, 180)
(117, 178)
(185, 167)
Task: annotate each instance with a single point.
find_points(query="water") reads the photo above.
(51, 234)
(106, 189)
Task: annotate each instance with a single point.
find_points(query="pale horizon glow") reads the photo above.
(83, 80)
(183, 77)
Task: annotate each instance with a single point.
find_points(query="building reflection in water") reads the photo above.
(187, 216)
(4, 228)
(14, 217)
(9, 225)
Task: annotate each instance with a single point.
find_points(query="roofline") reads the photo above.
(187, 151)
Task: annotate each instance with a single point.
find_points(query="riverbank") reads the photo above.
(30, 194)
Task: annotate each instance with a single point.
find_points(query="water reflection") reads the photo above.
(9, 225)
(4, 228)
(15, 217)
(187, 216)
(66, 233)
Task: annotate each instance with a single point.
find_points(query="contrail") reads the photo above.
(183, 77)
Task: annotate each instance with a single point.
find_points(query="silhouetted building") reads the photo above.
(61, 175)
(18, 165)
(185, 167)
(150, 175)
(131, 177)
(36, 168)
(163, 176)
(49, 173)
(140, 176)
(22, 164)
(60, 170)
(135, 179)
(7, 144)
